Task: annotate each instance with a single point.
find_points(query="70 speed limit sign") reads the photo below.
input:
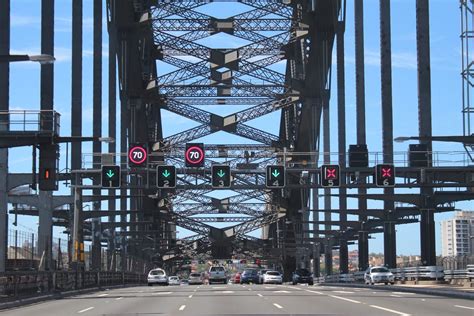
(194, 155)
(137, 155)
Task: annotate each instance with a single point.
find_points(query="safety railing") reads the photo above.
(14, 285)
(46, 121)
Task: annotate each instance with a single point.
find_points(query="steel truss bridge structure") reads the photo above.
(285, 67)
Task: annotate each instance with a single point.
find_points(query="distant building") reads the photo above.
(457, 235)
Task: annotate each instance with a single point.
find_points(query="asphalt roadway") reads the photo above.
(247, 300)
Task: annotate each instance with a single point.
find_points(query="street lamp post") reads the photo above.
(42, 59)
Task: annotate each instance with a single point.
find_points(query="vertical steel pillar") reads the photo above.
(124, 121)
(360, 109)
(327, 192)
(341, 116)
(97, 128)
(45, 207)
(427, 225)
(76, 95)
(390, 249)
(4, 106)
(113, 134)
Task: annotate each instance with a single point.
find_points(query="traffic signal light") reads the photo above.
(385, 175)
(137, 155)
(48, 162)
(166, 176)
(220, 176)
(275, 177)
(330, 176)
(110, 177)
(194, 155)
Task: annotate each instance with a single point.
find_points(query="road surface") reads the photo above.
(247, 300)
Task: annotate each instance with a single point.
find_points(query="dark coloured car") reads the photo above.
(302, 276)
(249, 276)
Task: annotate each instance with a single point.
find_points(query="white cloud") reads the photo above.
(403, 60)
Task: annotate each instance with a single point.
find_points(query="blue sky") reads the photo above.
(446, 83)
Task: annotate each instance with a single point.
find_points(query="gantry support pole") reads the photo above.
(45, 207)
(341, 118)
(360, 110)
(327, 192)
(4, 106)
(390, 249)
(76, 96)
(427, 225)
(112, 89)
(97, 129)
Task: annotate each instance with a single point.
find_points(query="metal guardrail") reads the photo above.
(14, 285)
(47, 121)
(468, 273)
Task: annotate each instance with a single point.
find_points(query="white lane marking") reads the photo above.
(260, 295)
(281, 292)
(277, 306)
(294, 288)
(345, 299)
(102, 295)
(219, 287)
(190, 296)
(315, 292)
(268, 287)
(393, 295)
(460, 306)
(343, 292)
(423, 300)
(161, 293)
(85, 310)
(389, 310)
(374, 292)
(404, 293)
(227, 292)
(118, 298)
(182, 307)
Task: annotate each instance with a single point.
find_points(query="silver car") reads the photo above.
(272, 277)
(157, 276)
(195, 278)
(379, 274)
(174, 280)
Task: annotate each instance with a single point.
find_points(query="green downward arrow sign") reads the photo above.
(166, 173)
(275, 173)
(221, 173)
(110, 173)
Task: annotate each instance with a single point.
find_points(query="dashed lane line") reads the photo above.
(403, 293)
(118, 298)
(393, 295)
(345, 299)
(390, 310)
(190, 296)
(259, 294)
(182, 307)
(277, 306)
(315, 292)
(343, 292)
(85, 310)
(102, 295)
(465, 307)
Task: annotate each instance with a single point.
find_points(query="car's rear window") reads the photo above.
(213, 269)
(250, 272)
(273, 273)
(194, 275)
(380, 270)
(157, 272)
(173, 278)
(302, 272)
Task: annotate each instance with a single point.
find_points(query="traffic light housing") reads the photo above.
(330, 176)
(275, 176)
(48, 166)
(166, 176)
(385, 175)
(110, 177)
(194, 155)
(221, 177)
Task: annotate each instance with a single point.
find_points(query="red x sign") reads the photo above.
(386, 172)
(330, 173)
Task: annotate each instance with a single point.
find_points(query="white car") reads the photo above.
(174, 280)
(195, 278)
(272, 277)
(157, 276)
(217, 274)
(379, 274)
